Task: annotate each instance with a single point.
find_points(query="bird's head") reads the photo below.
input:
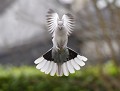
(60, 24)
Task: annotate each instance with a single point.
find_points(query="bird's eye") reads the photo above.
(60, 23)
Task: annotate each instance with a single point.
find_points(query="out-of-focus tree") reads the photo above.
(98, 24)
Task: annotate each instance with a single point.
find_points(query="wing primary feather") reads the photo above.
(68, 22)
(52, 19)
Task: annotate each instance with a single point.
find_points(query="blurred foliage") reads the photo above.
(27, 78)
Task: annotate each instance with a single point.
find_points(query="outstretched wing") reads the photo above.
(52, 20)
(68, 22)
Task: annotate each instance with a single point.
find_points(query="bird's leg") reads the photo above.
(56, 48)
(65, 44)
(55, 45)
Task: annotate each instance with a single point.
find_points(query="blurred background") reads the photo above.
(24, 38)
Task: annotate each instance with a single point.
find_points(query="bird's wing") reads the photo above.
(68, 22)
(52, 20)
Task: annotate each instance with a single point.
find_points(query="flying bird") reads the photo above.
(60, 59)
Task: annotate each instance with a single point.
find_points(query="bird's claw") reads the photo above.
(58, 48)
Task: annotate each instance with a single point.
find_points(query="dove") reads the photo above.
(60, 59)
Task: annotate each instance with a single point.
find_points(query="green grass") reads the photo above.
(28, 78)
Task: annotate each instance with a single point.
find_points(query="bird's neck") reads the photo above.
(60, 32)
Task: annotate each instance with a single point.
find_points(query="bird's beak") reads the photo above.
(60, 28)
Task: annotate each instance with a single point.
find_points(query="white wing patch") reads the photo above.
(68, 22)
(52, 21)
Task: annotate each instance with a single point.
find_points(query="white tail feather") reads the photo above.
(70, 67)
(49, 68)
(38, 60)
(54, 68)
(44, 68)
(79, 61)
(65, 70)
(41, 64)
(75, 65)
(59, 70)
(82, 58)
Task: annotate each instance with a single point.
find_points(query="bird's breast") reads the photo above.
(61, 39)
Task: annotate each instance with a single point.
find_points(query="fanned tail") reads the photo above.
(49, 65)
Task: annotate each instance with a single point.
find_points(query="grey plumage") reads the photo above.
(60, 59)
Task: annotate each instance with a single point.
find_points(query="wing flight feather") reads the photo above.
(68, 22)
(52, 20)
